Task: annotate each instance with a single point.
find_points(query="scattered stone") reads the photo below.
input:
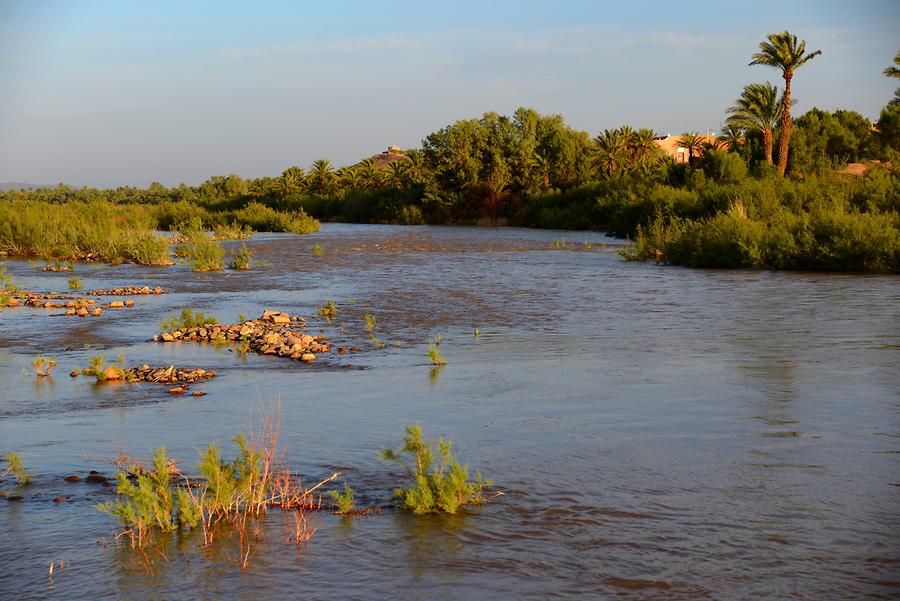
(82, 312)
(14, 498)
(116, 305)
(73, 374)
(127, 291)
(97, 312)
(73, 478)
(96, 479)
(112, 374)
(177, 390)
(275, 334)
(198, 393)
(60, 499)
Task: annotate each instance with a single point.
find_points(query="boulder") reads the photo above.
(111, 374)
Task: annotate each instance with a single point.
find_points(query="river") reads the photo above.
(654, 431)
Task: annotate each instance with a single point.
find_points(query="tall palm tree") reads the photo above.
(542, 164)
(895, 70)
(693, 142)
(784, 52)
(758, 109)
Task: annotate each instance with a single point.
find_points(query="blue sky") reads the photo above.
(125, 93)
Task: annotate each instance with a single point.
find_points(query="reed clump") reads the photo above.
(440, 482)
(434, 352)
(91, 231)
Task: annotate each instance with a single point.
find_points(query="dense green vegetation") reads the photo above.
(440, 483)
(796, 210)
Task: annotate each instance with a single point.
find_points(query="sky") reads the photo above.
(119, 93)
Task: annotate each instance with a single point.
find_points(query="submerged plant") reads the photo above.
(343, 499)
(16, 468)
(74, 283)
(329, 311)
(317, 250)
(434, 351)
(440, 483)
(43, 365)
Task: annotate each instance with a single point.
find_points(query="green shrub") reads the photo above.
(343, 499)
(266, 219)
(232, 231)
(187, 319)
(74, 283)
(440, 483)
(242, 260)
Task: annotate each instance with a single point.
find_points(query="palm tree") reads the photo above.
(612, 150)
(758, 109)
(370, 173)
(733, 136)
(321, 173)
(644, 142)
(693, 142)
(784, 52)
(541, 164)
(895, 70)
(397, 173)
(349, 177)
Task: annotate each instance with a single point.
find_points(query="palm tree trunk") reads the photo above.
(767, 145)
(784, 135)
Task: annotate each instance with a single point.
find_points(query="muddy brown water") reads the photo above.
(657, 432)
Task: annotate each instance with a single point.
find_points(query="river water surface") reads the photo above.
(655, 431)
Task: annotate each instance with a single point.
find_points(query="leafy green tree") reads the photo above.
(782, 51)
(758, 109)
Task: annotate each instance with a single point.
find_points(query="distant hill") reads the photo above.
(4, 186)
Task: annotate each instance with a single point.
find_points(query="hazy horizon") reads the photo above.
(106, 95)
